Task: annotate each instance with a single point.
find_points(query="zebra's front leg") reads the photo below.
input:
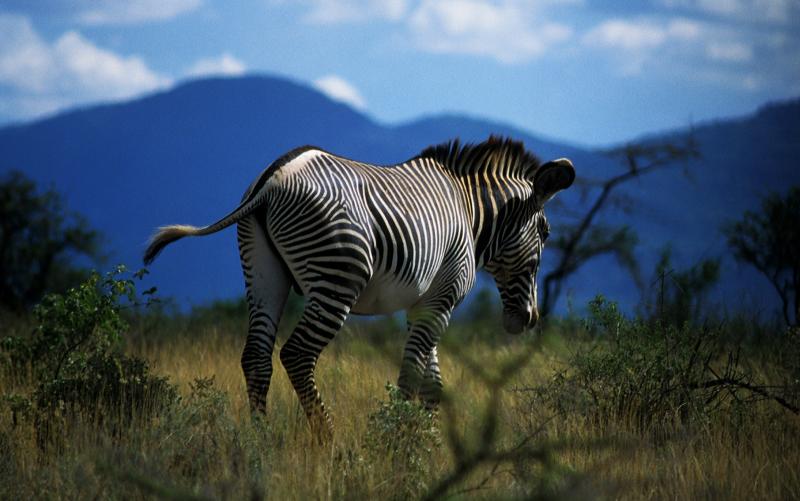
(431, 390)
(267, 284)
(321, 320)
(419, 371)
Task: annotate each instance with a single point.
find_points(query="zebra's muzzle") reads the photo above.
(534, 318)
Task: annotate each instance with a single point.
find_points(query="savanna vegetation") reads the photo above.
(103, 400)
(108, 393)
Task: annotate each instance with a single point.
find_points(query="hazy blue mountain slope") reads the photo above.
(685, 206)
(187, 155)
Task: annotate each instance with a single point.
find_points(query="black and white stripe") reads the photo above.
(364, 239)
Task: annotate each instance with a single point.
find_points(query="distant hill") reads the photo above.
(742, 160)
(186, 155)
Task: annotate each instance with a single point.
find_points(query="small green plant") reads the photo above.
(654, 375)
(74, 358)
(195, 434)
(404, 433)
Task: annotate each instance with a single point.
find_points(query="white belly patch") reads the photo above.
(382, 296)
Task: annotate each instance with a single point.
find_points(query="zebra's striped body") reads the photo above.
(359, 238)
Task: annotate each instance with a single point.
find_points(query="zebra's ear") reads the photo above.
(551, 178)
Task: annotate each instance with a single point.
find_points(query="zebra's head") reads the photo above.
(522, 231)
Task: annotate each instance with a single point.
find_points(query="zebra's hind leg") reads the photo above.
(267, 284)
(321, 320)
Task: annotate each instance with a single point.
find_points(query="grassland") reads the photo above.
(207, 446)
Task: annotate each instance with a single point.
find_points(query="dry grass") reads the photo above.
(212, 449)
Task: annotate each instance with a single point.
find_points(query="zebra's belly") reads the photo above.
(384, 296)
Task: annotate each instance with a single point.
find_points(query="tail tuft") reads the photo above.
(165, 236)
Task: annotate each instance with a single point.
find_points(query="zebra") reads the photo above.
(357, 238)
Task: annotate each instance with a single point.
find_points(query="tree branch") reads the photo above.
(659, 156)
(758, 390)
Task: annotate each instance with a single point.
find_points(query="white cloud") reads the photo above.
(225, 64)
(622, 34)
(684, 29)
(736, 52)
(102, 12)
(68, 71)
(777, 11)
(94, 12)
(25, 60)
(635, 42)
(100, 72)
(741, 81)
(510, 31)
(715, 52)
(344, 11)
(505, 31)
(340, 90)
(640, 34)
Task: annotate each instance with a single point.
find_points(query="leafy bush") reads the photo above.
(403, 433)
(652, 375)
(75, 361)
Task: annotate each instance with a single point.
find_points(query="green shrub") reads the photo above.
(198, 447)
(74, 360)
(652, 375)
(194, 436)
(403, 433)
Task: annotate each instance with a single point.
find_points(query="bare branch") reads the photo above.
(640, 159)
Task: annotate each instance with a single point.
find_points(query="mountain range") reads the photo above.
(186, 155)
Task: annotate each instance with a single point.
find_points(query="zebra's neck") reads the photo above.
(494, 176)
(489, 200)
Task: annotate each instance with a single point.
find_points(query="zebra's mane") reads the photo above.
(497, 152)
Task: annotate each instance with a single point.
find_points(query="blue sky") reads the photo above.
(584, 71)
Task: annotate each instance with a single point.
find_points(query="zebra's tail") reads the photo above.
(165, 235)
